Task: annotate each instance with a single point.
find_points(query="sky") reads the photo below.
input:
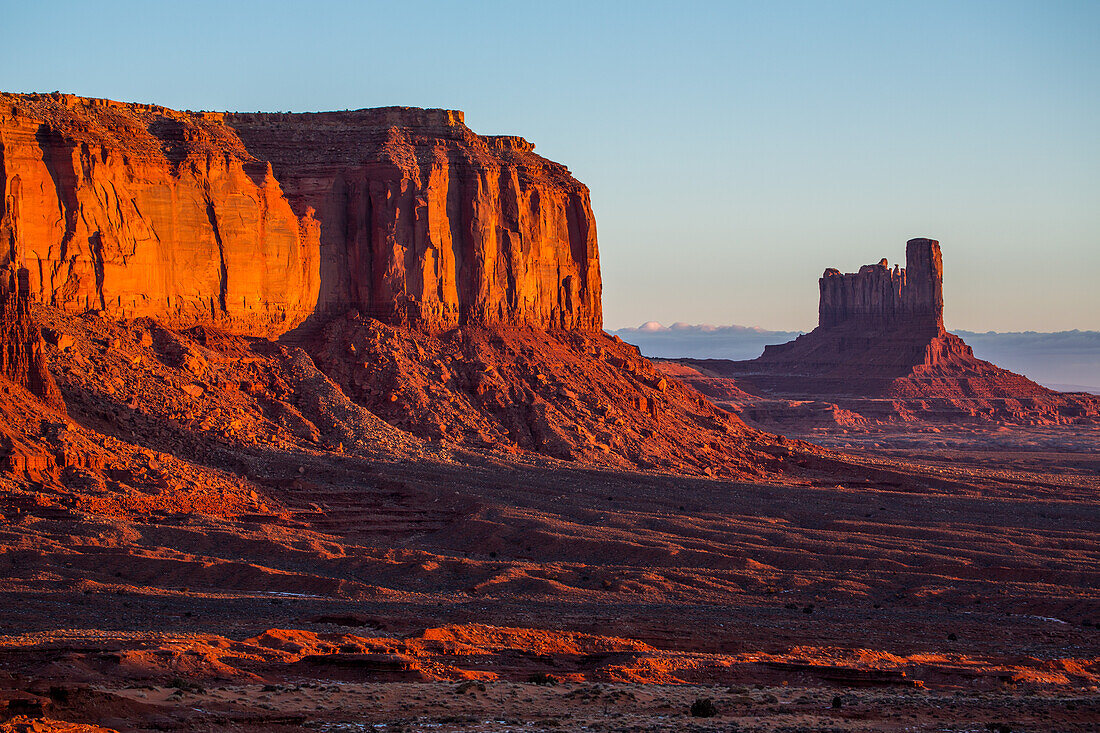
(733, 150)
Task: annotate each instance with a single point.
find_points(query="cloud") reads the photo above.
(702, 340)
(1067, 360)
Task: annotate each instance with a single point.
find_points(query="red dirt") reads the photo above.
(215, 513)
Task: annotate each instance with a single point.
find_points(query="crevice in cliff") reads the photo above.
(364, 245)
(95, 248)
(456, 195)
(53, 145)
(7, 241)
(579, 224)
(223, 271)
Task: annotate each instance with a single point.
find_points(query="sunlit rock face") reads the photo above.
(425, 222)
(401, 214)
(139, 210)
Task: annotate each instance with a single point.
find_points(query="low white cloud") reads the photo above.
(1064, 360)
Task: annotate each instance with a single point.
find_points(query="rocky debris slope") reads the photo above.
(576, 396)
(207, 395)
(139, 210)
(375, 389)
(424, 221)
(880, 354)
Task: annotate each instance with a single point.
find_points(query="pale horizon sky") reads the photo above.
(733, 150)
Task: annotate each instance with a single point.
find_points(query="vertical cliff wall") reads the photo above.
(403, 214)
(21, 353)
(139, 210)
(424, 221)
(878, 299)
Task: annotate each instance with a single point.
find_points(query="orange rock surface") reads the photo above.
(424, 221)
(139, 210)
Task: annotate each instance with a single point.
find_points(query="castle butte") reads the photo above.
(880, 353)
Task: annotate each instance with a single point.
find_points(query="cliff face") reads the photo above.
(21, 351)
(878, 299)
(425, 222)
(138, 210)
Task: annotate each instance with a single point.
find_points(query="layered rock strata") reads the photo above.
(22, 359)
(139, 210)
(425, 222)
(402, 214)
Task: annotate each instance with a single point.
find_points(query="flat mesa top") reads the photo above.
(393, 115)
(370, 116)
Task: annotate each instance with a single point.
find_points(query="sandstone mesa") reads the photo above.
(255, 223)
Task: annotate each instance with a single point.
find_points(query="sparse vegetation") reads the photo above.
(703, 708)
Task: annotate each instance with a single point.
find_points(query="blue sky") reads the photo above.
(733, 150)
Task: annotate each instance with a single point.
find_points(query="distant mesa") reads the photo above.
(880, 351)
(875, 327)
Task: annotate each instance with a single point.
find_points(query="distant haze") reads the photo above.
(734, 150)
(1065, 361)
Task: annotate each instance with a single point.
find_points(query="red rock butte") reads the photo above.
(880, 300)
(225, 532)
(880, 341)
(258, 222)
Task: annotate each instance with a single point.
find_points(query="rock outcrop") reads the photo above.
(880, 300)
(425, 222)
(875, 327)
(22, 359)
(139, 210)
